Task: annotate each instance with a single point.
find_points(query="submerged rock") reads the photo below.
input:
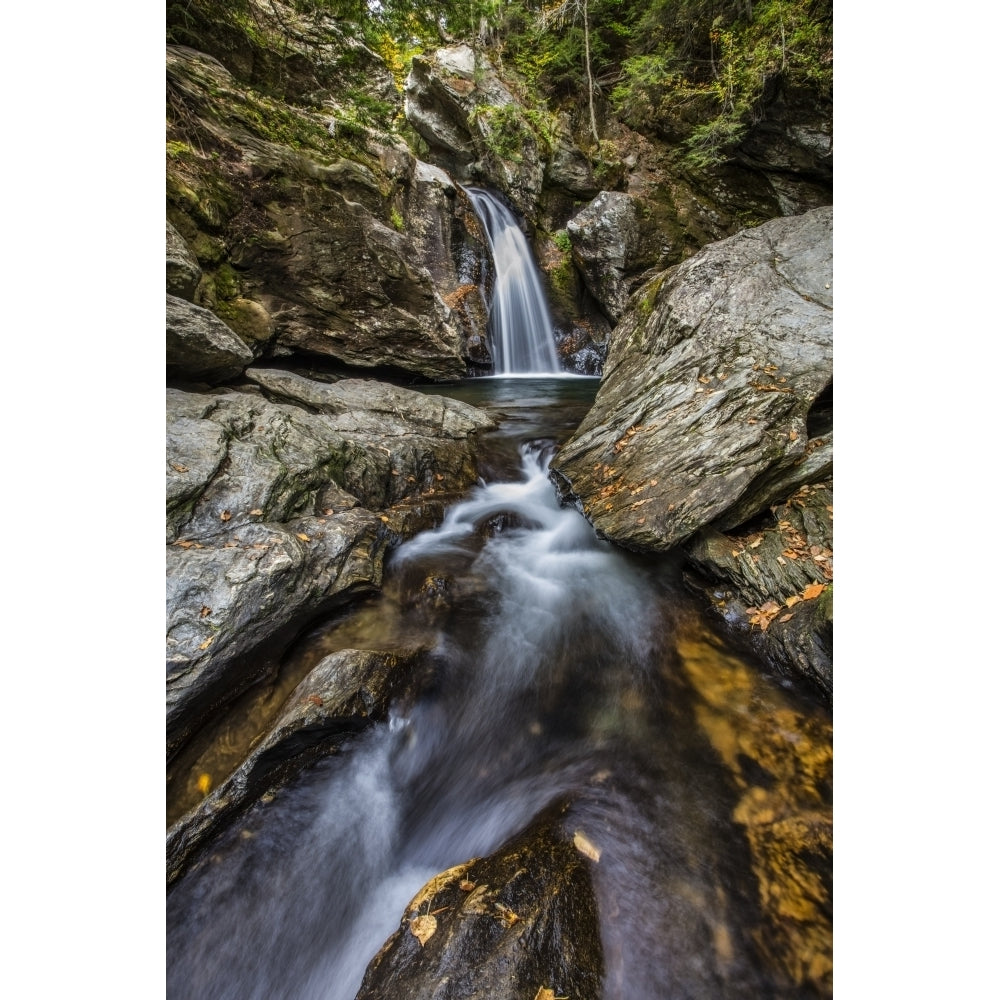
(345, 692)
(521, 923)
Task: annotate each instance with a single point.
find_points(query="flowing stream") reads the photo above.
(564, 669)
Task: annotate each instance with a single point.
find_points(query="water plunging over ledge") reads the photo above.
(521, 328)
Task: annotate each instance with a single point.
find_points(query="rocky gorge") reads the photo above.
(328, 287)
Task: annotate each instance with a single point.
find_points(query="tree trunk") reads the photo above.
(590, 76)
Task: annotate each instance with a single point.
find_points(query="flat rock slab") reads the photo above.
(710, 377)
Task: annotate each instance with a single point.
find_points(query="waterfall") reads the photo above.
(520, 325)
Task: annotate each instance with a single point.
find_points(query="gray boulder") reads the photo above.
(710, 377)
(183, 270)
(200, 347)
(604, 236)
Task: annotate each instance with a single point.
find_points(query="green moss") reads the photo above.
(227, 283)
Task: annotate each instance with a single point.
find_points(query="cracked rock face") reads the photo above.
(709, 379)
(272, 505)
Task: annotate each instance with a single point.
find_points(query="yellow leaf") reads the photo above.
(813, 590)
(423, 928)
(790, 602)
(585, 847)
(544, 993)
(208, 642)
(204, 783)
(305, 538)
(256, 512)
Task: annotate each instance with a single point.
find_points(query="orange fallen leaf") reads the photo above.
(315, 699)
(208, 642)
(299, 534)
(466, 886)
(544, 993)
(813, 590)
(204, 783)
(423, 928)
(205, 611)
(178, 468)
(793, 435)
(785, 618)
(790, 602)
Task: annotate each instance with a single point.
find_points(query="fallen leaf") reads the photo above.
(205, 611)
(315, 699)
(438, 477)
(704, 379)
(225, 515)
(423, 928)
(790, 602)
(756, 541)
(813, 590)
(383, 518)
(299, 534)
(544, 993)
(204, 783)
(780, 560)
(466, 886)
(791, 553)
(328, 511)
(785, 618)
(208, 642)
(735, 552)
(178, 468)
(585, 847)
(184, 543)
(793, 435)
(509, 916)
(771, 608)
(256, 512)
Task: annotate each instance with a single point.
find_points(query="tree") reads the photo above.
(573, 11)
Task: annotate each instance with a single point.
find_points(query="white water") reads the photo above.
(521, 329)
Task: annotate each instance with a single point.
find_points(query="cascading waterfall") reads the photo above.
(521, 329)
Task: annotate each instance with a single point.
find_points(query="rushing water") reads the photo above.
(566, 668)
(521, 330)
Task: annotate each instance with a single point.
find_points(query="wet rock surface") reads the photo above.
(519, 923)
(271, 514)
(345, 692)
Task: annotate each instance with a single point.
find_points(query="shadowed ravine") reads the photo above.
(564, 670)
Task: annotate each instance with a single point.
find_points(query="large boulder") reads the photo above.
(603, 236)
(183, 270)
(345, 692)
(710, 378)
(521, 923)
(200, 347)
(271, 515)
